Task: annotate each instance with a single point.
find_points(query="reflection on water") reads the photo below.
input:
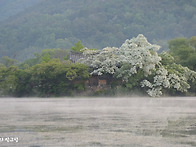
(98, 122)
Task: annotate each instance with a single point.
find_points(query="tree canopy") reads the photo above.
(184, 52)
(28, 26)
(138, 58)
(135, 65)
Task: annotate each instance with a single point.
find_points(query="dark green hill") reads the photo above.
(61, 23)
(10, 8)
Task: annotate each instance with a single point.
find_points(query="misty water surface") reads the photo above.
(98, 122)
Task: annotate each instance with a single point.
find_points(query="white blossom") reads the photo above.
(155, 92)
(137, 54)
(146, 83)
(103, 61)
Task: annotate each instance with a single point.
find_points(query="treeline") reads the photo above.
(184, 51)
(134, 67)
(49, 73)
(59, 24)
(52, 78)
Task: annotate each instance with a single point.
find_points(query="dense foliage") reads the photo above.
(52, 78)
(184, 51)
(136, 65)
(28, 26)
(9, 8)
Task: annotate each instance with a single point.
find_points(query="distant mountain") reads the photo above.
(29, 26)
(10, 8)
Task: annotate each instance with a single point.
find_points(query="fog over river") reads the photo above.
(98, 122)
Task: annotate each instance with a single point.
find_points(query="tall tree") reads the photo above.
(77, 47)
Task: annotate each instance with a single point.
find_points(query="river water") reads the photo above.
(98, 122)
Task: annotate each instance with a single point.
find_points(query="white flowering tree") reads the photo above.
(137, 63)
(104, 61)
(137, 54)
(173, 76)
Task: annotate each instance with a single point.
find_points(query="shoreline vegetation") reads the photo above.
(134, 69)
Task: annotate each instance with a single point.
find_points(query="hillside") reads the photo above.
(9, 8)
(61, 23)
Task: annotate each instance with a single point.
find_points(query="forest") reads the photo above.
(28, 27)
(134, 68)
(69, 47)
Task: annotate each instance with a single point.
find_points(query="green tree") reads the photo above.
(77, 47)
(8, 80)
(46, 57)
(177, 42)
(56, 78)
(24, 86)
(8, 61)
(183, 51)
(192, 42)
(191, 61)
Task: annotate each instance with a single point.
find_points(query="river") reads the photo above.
(98, 122)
